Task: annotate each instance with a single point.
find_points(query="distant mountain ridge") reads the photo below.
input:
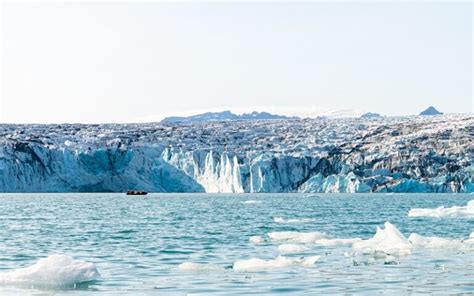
(229, 116)
(225, 116)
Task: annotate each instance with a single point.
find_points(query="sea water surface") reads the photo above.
(139, 243)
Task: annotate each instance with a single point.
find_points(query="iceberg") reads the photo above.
(256, 239)
(295, 237)
(335, 242)
(424, 242)
(389, 241)
(199, 267)
(53, 271)
(470, 240)
(292, 248)
(256, 264)
(442, 212)
(251, 202)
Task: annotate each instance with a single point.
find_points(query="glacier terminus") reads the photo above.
(371, 154)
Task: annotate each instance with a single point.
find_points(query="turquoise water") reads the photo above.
(138, 242)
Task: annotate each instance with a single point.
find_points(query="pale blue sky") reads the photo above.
(123, 62)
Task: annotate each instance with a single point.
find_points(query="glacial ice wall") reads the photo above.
(34, 168)
(215, 174)
(408, 154)
(267, 173)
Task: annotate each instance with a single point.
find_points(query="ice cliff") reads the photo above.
(389, 154)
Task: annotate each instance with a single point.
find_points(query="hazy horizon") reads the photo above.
(136, 62)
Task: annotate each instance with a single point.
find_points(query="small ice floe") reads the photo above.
(190, 266)
(292, 248)
(251, 202)
(296, 237)
(469, 243)
(256, 264)
(389, 241)
(53, 271)
(298, 220)
(378, 256)
(256, 239)
(391, 260)
(442, 212)
(433, 242)
(336, 242)
(470, 240)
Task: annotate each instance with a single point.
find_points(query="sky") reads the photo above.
(134, 62)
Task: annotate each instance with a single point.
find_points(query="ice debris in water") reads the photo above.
(434, 242)
(440, 212)
(296, 237)
(470, 240)
(53, 271)
(298, 220)
(389, 241)
(251, 202)
(190, 266)
(327, 242)
(279, 262)
(256, 239)
(292, 248)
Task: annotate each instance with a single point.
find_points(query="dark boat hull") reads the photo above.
(136, 192)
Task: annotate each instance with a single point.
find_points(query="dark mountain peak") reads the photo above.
(431, 111)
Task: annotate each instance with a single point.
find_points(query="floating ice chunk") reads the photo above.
(190, 266)
(278, 220)
(296, 237)
(256, 239)
(440, 212)
(299, 220)
(308, 261)
(53, 271)
(279, 262)
(251, 202)
(433, 242)
(470, 240)
(292, 248)
(337, 241)
(388, 240)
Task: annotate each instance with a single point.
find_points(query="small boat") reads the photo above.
(136, 192)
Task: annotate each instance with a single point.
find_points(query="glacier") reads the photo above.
(320, 155)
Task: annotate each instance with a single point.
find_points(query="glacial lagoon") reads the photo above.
(236, 244)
